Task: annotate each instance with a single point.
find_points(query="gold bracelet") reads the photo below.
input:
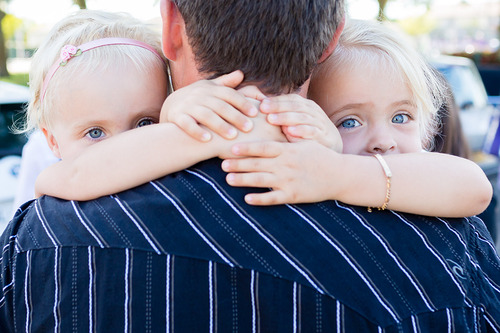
(388, 175)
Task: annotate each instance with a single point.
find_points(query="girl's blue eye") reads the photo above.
(350, 123)
(400, 118)
(95, 133)
(145, 122)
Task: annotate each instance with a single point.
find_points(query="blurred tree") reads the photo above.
(3, 50)
(381, 10)
(382, 4)
(81, 3)
(420, 25)
(10, 24)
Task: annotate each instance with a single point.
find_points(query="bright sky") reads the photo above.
(51, 11)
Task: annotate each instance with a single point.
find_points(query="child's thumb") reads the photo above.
(231, 80)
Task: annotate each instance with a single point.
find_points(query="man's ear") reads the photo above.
(333, 42)
(51, 140)
(172, 28)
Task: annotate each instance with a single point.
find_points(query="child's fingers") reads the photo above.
(303, 131)
(266, 198)
(227, 113)
(242, 106)
(193, 129)
(268, 149)
(286, 103)
(246, 165)
(291, 119)
(214, 122)
(252, 92)
(231, 80)
(234, 97)
(251, 179)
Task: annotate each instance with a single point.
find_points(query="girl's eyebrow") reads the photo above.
(404, 102)
(348, 107)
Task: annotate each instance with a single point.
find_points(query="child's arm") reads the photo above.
(422, 183)
(143, 154)
(129, 159)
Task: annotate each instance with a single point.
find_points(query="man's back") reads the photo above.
(194, 257)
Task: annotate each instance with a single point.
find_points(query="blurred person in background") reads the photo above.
(450, 139)
(36, 156)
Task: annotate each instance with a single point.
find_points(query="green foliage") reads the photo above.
(81, 3)
(10, 24)
(416, 26)
(21, 78)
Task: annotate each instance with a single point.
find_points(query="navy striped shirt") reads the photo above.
(185, 253)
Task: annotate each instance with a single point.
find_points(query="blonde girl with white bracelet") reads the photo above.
(383, 98)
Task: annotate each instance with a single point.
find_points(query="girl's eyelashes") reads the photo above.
(146, 122)
(401, 118)
(349, 123)
(95, 133)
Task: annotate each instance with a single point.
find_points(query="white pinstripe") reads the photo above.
(27, 288)
(44, 224)
(492, 325)
(471, 260)
(167, 294)
(91, 291)
(86, 226)
(408, 274)
(351, 263)
(448, 316)
(254, 295)
(56, 290)
(5, 290)
(338, 318)
(414, 324)
(436, 255)
(261, 233)
(482, 239)
(136, 223)
(295, 308)
(127, 296)
(211, 296)
(195, 228)
(460, 239)
(476, 314)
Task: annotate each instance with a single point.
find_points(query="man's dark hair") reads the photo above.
(276, 43)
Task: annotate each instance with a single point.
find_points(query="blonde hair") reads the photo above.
(371, 42)
(82, 27)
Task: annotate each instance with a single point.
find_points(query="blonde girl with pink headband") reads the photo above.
(100, 74)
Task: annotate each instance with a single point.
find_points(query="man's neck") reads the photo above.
(304, 88)
(183, 75)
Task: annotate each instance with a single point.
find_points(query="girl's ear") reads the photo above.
(51, 140)
(172, 28)
(333, 42)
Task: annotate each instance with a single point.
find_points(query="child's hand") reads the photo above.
(289, 169)
(301, 119)
(214, 104)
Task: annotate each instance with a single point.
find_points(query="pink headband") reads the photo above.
(70, 51)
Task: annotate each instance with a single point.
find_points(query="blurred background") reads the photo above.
(461, 38)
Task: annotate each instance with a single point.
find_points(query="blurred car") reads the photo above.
(475, 109)
(13, 99)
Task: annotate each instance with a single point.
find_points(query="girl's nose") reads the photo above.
(381, 142)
